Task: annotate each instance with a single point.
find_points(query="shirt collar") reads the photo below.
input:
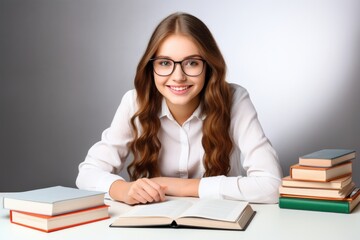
(165, 112)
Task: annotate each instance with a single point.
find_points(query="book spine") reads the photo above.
(57, 228)
(314, 205)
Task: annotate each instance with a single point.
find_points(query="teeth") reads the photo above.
(179, 88)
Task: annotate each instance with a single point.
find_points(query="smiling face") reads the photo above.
(180, 91)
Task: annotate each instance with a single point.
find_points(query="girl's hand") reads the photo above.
(142, 191)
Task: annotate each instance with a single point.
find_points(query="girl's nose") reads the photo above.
(178, 74)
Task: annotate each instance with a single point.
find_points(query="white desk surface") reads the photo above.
(270, 222)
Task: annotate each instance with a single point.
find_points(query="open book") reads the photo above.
(220, 214)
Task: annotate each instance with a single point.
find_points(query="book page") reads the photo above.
(169, 208)
(224, 210)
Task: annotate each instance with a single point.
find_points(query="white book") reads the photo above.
(53, 200)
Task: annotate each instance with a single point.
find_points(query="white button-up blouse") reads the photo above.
(255, 173)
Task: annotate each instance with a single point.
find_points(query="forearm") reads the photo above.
(259, 189)
(95, 179)
(179, 187)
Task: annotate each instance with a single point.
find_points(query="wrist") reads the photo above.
(179, 187)
(191, 188)
(117, 190)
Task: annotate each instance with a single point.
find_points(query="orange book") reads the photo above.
(322, 174)
(46, 223)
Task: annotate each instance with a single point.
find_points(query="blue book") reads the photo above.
(327, 157)
(53, 201)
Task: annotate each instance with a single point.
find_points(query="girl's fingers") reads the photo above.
(144, 190)
(156, 191)
(143, 197)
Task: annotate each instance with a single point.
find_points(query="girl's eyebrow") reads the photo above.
(187, 57)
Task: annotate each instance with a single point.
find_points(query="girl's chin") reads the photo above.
(181, 102)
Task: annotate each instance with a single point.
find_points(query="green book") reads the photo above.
(346, 205)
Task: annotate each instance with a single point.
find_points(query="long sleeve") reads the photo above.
(106, 158)
(259, 161)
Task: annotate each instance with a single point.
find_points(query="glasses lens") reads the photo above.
(163, 67)
(192, 67)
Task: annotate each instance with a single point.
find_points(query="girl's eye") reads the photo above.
(191, 63)
(165, 63)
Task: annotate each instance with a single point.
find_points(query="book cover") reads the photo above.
(323, 174)
(210, 213)
(346, 205)
(327, 157)
(47, 223)
(334, 184)
(53, 200)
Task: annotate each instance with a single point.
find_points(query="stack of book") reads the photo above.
(55, 208)
(321, 181)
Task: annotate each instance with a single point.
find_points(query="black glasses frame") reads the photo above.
(181, 66)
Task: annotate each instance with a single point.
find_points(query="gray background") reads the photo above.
(64, 66)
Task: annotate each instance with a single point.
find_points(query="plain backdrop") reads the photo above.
(65, 65)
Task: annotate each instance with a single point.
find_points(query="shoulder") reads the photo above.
(128, 103)
(241, 101)
(129, 99)
(239, 92)
(129, 96)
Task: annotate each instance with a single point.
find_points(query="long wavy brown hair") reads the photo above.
(216, 99)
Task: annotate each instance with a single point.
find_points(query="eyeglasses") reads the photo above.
(192, 67)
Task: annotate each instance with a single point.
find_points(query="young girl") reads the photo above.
(190, 132)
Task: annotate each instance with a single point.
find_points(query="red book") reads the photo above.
(48, 223)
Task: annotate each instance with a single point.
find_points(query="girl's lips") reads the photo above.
(179, 90)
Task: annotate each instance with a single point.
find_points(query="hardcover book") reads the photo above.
(54, 223)
(327, 157)
(346, 205)
(217, 214)
(334, 184)
(323, 174)
(314, 192)
(53, 200)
